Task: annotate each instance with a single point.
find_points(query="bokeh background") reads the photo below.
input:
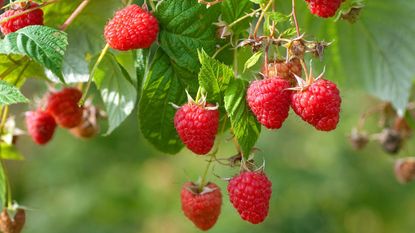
(120, 183)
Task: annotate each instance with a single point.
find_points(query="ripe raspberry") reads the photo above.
(269, 101)
(202, 208)
(285, 70)
(40, 125)
(249, 193)
(63, 106)
(318, 104)
(31, 18)
(131, 28)
(197, 126)
(324, 8)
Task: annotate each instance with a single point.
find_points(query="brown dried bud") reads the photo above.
(88, 127)
(352, 15)
(405, 169)
(391, 140)
(6, 225)
(297, 49)
(19, 220)
(358, 139)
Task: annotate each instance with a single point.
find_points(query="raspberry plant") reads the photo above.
(196, 71)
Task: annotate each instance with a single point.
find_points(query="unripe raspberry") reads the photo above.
(324, 8)
(197, 126)
(202, 208)
(285, 70)
(41, 126)
(250, 193)
(34, 17)
(63, 106)
(318, 104)
(269, 100)
(131, 28)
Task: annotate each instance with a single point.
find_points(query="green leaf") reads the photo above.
(214, 76)
(117, 90)
(9, 152)
(10, 94)
(185, 26)
(235, 9)
(43, 44)
(278, 17)
(161, 88)
(252, 60)
(246, 129)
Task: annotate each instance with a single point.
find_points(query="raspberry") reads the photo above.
(202, 208)
(34, 17)
(197, 126)
(285, 70)
(324, 8)
(318, 104)
(63, 106)
(269, 101)
(131, 28)
(249, 193)
(41, 126)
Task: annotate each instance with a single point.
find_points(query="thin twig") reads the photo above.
(74, 14)
(297, 28)
(261, 17)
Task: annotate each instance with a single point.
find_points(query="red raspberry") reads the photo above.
(131, 28)
(250, 193)
(32, 18)
(285, 70)
(197, 126)
(202, 208)
(318, 104)
(41, 126)
(63, 106)
(324, 8)
(269, 101)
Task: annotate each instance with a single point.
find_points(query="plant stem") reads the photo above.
(261, 17)
(297, 28)
(220, 50)
(212, 157)
(95, 67)
(6, 177)
(244, 17)
(153, 6)
(74, 14)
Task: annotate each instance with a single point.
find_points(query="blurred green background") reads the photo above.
(119, 183)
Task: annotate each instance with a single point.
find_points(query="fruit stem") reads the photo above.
(297, 28)
(74, 14)
(91, 76)
(212, 157)
(153, 6)
(261, 17)
(27, 11)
